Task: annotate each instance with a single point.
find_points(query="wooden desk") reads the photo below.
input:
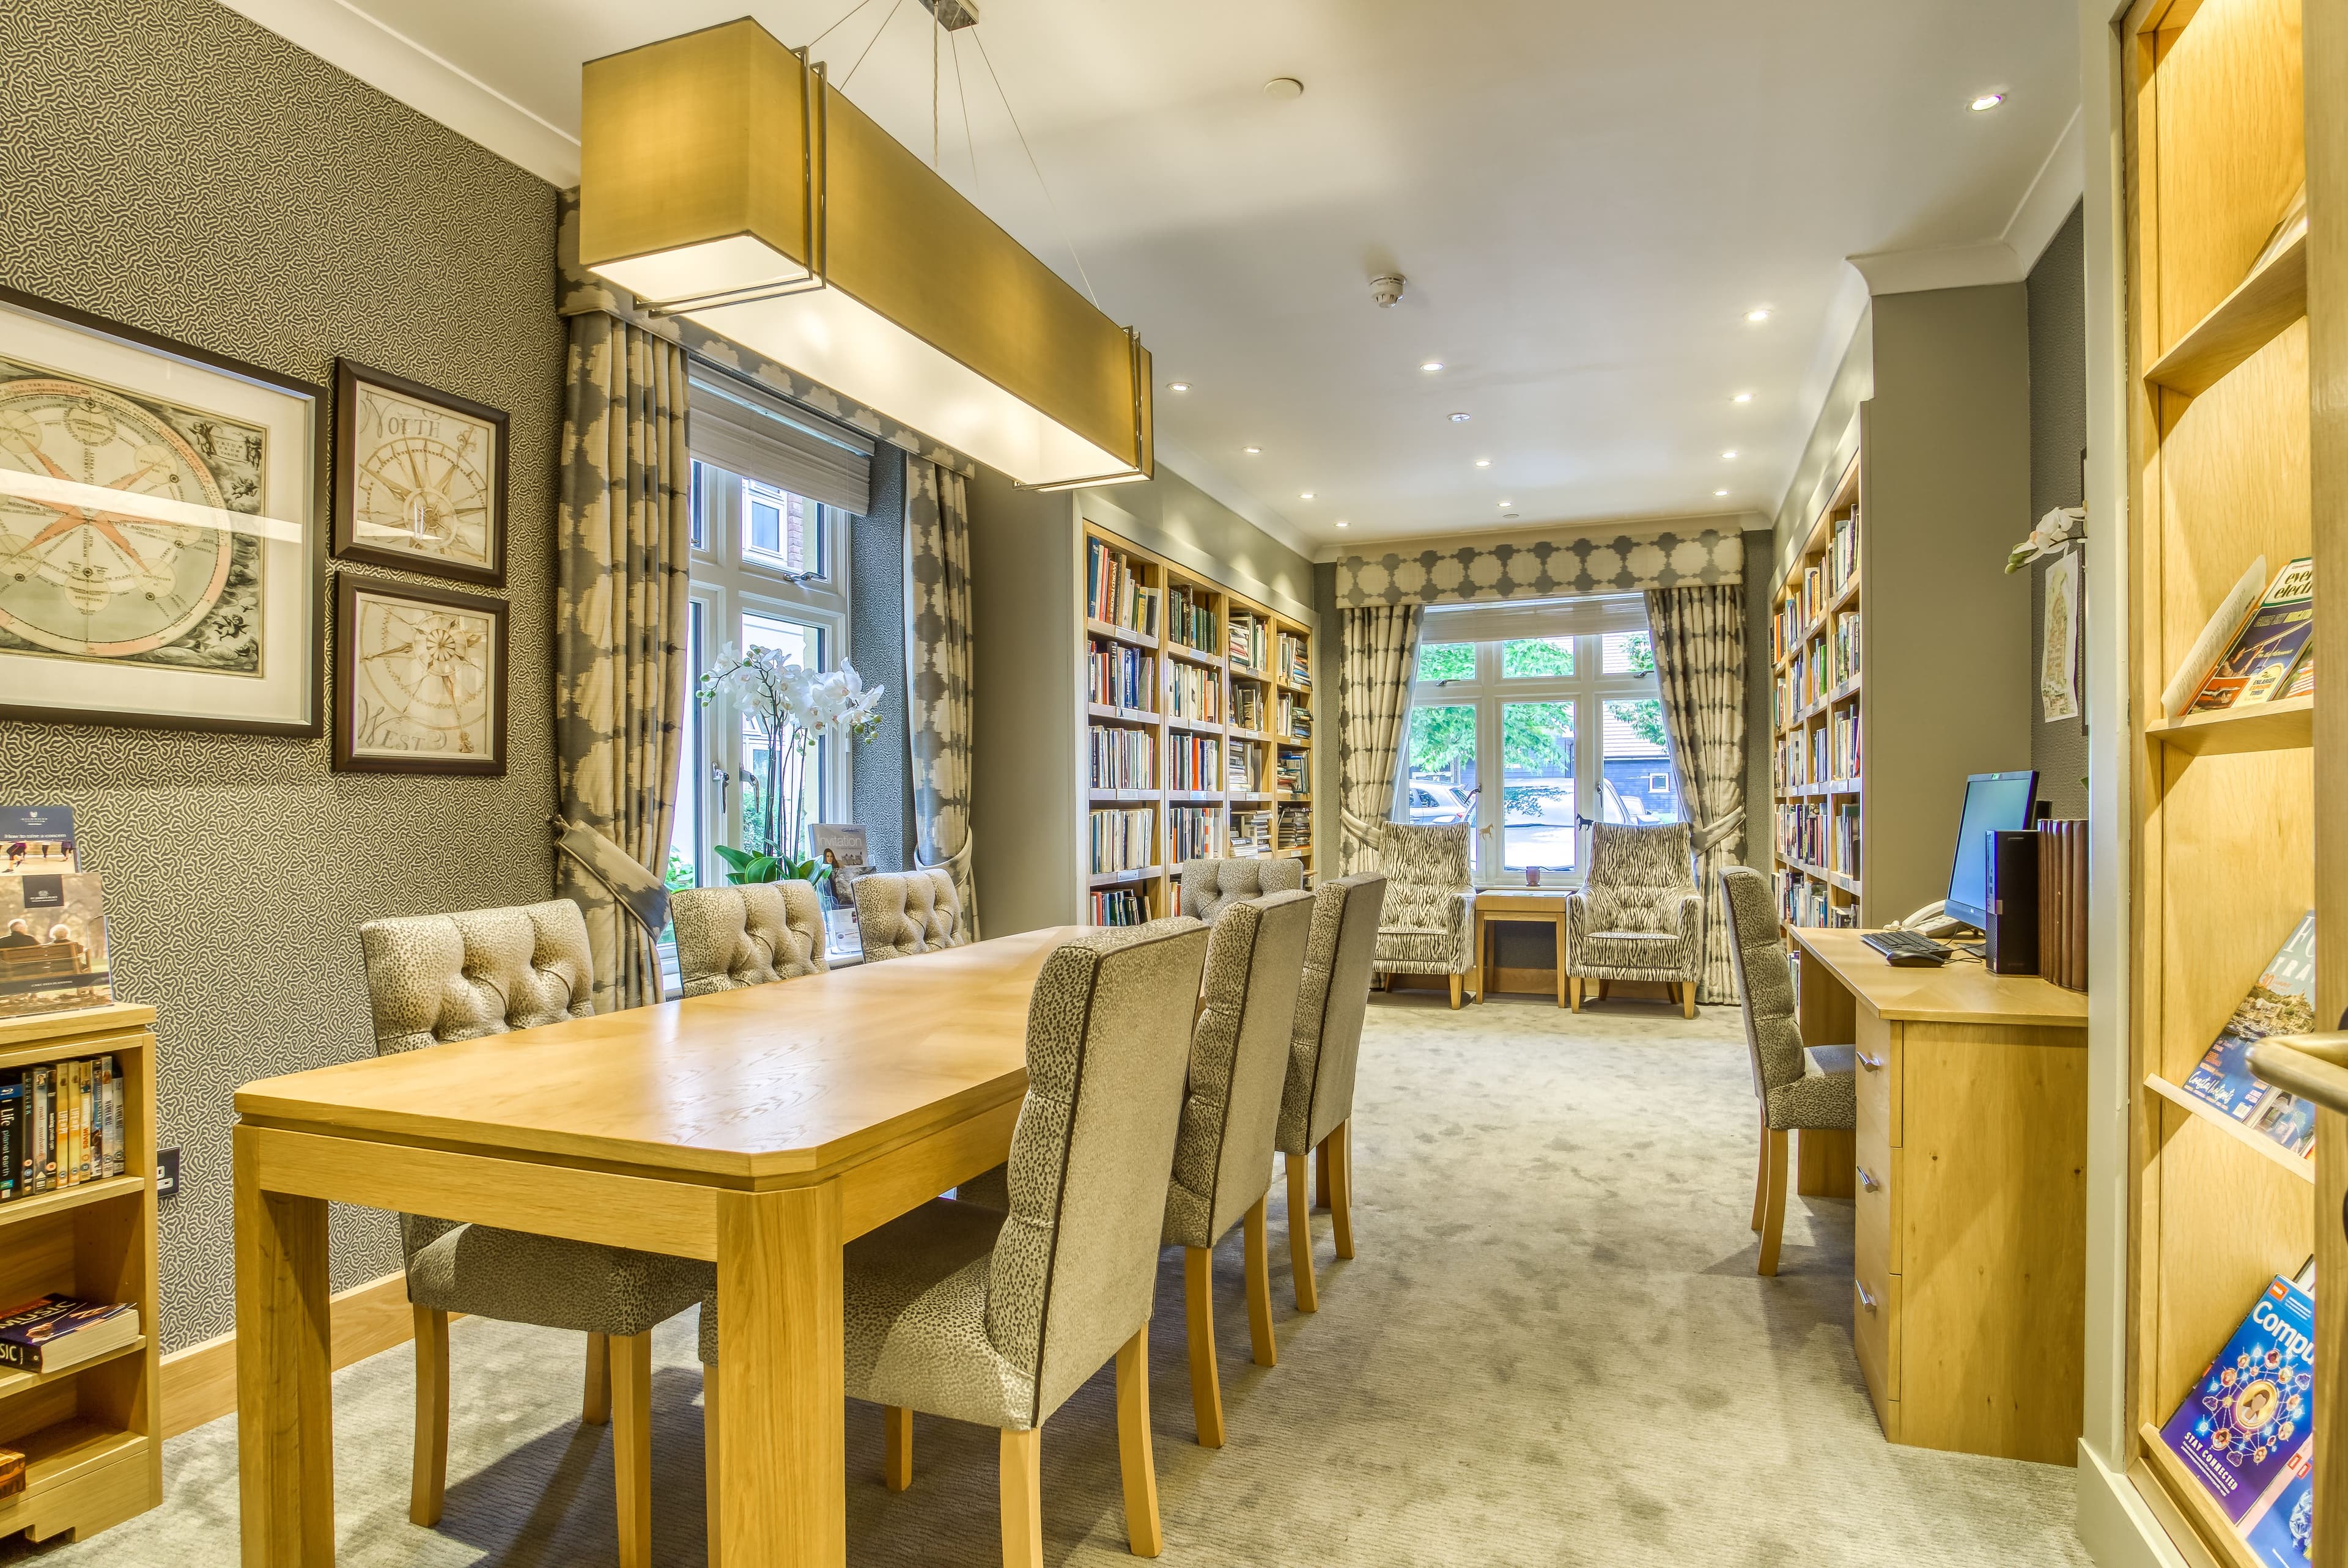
(1970, 1255)
(760, 1128)
(1532, 904)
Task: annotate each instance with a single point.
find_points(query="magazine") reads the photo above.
(840, 847)
(2256, 666)
(39, 838)
(52, 944)
(2282, 1002)
(2282, 1526)
(2249, 1411)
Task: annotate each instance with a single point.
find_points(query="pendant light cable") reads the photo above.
(963, 99)
(1066, 239)
(828, 32)
(868, 48)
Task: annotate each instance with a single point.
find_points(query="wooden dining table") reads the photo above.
(761, 1128)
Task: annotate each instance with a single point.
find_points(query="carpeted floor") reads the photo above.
(1552, 1349)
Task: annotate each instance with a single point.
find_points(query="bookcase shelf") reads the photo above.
(13, 1381)
(1809, 893)
(2286, 725)
(2257, 312)
(2297, 1164)
(25, 1211)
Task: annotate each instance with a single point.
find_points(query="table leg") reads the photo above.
(780, 1364)
(284, 1393)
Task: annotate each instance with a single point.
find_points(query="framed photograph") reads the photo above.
(420, 679)
(161, 530)
(419, 477)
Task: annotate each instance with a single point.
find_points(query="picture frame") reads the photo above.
(420, 676)
(420, 476)
(205, 609)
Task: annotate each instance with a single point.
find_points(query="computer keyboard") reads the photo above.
(1906, 947)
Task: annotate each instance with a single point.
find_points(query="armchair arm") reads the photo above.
(1459, 918)
(1692, 922)
(1577, 917)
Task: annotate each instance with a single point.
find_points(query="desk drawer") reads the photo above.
(1875, 1194)
(1877, 1042)
(1875, 1329)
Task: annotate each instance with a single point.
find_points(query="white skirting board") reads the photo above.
(2116, 1528)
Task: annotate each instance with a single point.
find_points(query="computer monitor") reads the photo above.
(1993, 801)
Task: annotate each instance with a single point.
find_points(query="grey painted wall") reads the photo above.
(1828, 451)
(1182, 522)
(883, 767)
(2059, 433)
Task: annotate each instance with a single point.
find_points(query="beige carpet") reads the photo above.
(1552, 1349)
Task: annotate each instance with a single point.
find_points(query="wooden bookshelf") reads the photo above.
(1816, 669)
(92, 1434)
(2222, 805)
(1228, 693)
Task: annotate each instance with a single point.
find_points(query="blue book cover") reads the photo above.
(2282, 1002)
(2248, 1412)
(2281, 1534)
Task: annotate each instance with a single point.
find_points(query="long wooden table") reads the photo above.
(761, 1128)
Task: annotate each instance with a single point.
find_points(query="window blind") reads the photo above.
(792, 450)
(1499, 622)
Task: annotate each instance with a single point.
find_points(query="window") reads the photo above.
(1556, 702)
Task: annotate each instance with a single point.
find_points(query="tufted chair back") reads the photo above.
(1210, 887)
(898, 916)
(1764, 983)
(728, 937)
(435, 977)
(1424, 868)
(1325, 1044)
(1638, 876)
(1075, 1266)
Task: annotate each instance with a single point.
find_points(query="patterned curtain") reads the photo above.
(1372, 713)
(1699, 642)
(938, 672)
(622, 566)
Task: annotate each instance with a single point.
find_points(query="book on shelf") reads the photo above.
(54, 1332)
(1194, 762)
(37, 838)
(1124, 677)
(12, 1471)
(1119, 907)
(2256, 665)
(2251, 1410)
(1189, 618)
(1291, 663)
(1114, 591)
(1250, 834)
(1123, 758)
(1196, 693)
(1245, 768)
(1123, 839)
(1296, 825)
(2282, 1001)
(1193, 831)
(1245, 642)
(67, 1126)
(1248, 707)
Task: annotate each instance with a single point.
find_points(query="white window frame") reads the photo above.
(1589, 622)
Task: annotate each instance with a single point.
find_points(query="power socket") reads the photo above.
(166, 1174)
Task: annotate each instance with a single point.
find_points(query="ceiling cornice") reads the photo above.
(1213, 481)
(2053, 191)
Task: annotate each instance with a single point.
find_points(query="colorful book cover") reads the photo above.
(2281, 1530)
(26, 1328)
(2259, 663)
(2282, 1002)
(52, 944)
(2248, 1412)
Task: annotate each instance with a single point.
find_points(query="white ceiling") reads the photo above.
(1587, 198)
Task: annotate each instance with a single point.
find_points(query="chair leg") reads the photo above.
(1199, 1312)
(1761, 1174)
(896, 1448)
(1573, 985)
(1142, 1535)
(1337, 1153)
(1454, 993)
(596, 1408)
(1603, 986)
(712, 1507)
(632, 1445)
(1020, 1480)
(1773, 1222)
(431, 1482)
(1300, 1236)
(1321, 1175)
(1688, 997)
(1259, 1285)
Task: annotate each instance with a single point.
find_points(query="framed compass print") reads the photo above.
(419, 477)
(419, 678)
(161, 530)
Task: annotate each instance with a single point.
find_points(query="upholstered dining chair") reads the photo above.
(1317, 1105)
(898, 914)
(1639, 915)
(964, 1311)
(731, 937)
(1230, 1118)
(1429, 927)
(438, 977)
(1801, 1089)
(1211, 887)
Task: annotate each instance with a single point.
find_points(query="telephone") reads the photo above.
(1932, 920)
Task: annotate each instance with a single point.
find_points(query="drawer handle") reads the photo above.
(1864, 1299)
(1872, 1063)
(1867, 1179)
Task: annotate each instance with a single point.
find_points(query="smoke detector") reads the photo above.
(1283, 88)
(1385, 290)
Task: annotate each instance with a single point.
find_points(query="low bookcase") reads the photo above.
(91, 1434)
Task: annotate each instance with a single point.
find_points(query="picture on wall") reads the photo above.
(161, 530)
(420, 680)
(419, 477)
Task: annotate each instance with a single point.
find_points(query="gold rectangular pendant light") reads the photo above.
(725, 179)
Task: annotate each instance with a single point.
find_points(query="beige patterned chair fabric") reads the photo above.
(1429, 927)
(437, 977)
(901, 914)
(1639, 916)
(1239, 1066)
(728, 937)
(1812, 1088)
(963, 1311)
(1211, 887)
(1325, 1044)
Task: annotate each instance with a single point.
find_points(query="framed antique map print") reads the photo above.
(161, 530)
(419, 477)
(419, 678)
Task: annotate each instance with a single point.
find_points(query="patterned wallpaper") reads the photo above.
(169, 164)
(1548, 570)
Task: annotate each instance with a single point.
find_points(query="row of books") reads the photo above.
(2063, 902)
(1842, 553)
(2246, 1429)
(1791, 760)
(1189, 618)
(1803, 833)
(1842, 651)
(60, 1126)
(1121, 758)
(1296, 825)
(1195, 693)
(1295, 720)
(1246, 640)
(1293, 773)
(1114, 591)
(1290, 660)
(1123, 839)
(1804, 901)
(1245, 768)
(1251, 834)
(1843, 761)
(2271, 654)
(2281, 1001)
(1193, 830)
(1119, 907)
(1124, 677)
(1248, 707)
(1194, 762)
(1817, 587)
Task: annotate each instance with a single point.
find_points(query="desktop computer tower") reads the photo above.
(2013, 904)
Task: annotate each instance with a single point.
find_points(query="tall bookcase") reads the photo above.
(2224, 805)
(1817, 720)
(92, 1434)
(1195, 705)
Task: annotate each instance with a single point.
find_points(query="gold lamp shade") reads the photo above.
(725, 179)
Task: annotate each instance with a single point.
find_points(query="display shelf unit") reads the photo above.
(1221, 681)
(2223, 861)
(1816, 634)
(92, 1434)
